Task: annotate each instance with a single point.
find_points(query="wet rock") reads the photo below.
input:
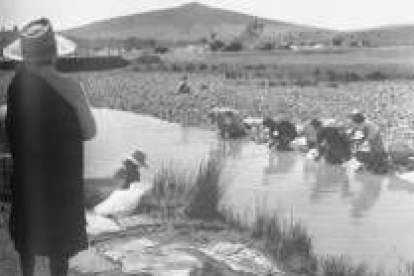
(138, 221)
(89, 261)
(241, 259)
(144, 255)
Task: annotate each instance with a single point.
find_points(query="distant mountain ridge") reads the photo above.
(194, 21)
(188, 21)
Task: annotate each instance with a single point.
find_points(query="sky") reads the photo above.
(331, 14)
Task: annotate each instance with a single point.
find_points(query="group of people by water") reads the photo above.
(358, 138)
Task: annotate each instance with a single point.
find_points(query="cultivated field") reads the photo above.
(390, 103)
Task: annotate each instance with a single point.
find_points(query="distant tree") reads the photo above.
(147, 58)
(213, 36)
(355, 43)
(151, 43)
(216, 45)
(159, 49)
(234, 46)
(267, 46)
(338, 41)
(254, 28)
(132, 43)
(366, 43)
(204, 40)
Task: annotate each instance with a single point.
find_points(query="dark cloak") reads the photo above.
(47, 216)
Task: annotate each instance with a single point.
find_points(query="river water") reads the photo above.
(369, 218)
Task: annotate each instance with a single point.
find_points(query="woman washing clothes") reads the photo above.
(124, 200)
(369, 146)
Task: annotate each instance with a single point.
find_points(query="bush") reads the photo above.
(377, 75)
(203, 67)
(176, 67)
(234, 46)
(216, 45)
(149, 59)
(230, 75)
(267, 46)
(190, 67)
(71, 64)
(342, 76)
(161, 49)
(352, 76)
(341, 266)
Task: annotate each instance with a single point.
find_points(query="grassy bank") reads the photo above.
(286, 241)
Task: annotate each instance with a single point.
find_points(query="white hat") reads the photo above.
(38, 42)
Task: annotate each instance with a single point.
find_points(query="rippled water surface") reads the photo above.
(370, 218)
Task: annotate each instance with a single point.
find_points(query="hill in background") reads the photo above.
(194, 22)
(189, 22)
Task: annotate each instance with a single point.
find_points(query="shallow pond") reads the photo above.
(370, 218)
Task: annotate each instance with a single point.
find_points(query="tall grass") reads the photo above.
(177, 193)
(342, 266)
(286, 242)
(206, 192)
(407, 269)
(169, 195)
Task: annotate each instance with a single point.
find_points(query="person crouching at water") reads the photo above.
(281, 133)
(368, 142)
(231, 125)
(48, 119)
(333, 144)
(124, 200)
(311, 131)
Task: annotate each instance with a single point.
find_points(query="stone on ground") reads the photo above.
(90, 261)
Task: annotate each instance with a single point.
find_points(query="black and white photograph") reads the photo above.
(206, 138)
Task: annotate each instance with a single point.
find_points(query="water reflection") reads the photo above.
(280, 162)
(329, 179)
(230, 148)
(366, 196)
